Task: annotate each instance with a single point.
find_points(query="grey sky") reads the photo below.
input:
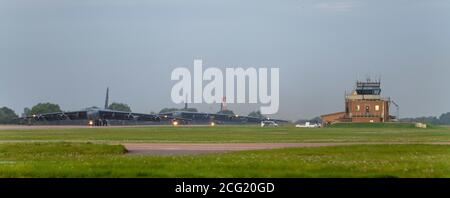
(69, 51)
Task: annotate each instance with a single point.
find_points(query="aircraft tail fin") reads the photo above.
(107, 98)
(186, 103)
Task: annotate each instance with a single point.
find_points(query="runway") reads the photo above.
(199, 148)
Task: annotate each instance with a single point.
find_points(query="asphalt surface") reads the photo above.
(199, 148)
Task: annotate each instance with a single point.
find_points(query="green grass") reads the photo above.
(231, 134)
(374, 125)
(94, 160)
(65, 153)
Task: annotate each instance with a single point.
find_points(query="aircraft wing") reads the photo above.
(73, 115)
(122, 115)
(171, 116)
(146, 117)
(277, 120)
(214, 117)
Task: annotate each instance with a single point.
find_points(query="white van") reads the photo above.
(269, 124)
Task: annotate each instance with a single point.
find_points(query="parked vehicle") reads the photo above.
(269, 124)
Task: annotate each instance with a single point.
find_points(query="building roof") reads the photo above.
(331, 114)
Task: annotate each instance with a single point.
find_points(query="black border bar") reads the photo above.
(136, 187)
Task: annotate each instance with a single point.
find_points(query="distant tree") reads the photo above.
(428, 120)
(7, 115)
(42, 108)
(119, 107)
(256, 114)
(445, 118)
(314, 120)
(301, 121)
(226, 112)
(442, 119)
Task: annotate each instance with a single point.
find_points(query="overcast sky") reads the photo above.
(69, 51)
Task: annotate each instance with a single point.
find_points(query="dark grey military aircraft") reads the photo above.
(95, 116)
(187, 117)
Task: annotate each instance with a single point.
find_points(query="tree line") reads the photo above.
(443, 119)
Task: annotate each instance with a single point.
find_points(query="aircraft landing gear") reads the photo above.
(99, 122)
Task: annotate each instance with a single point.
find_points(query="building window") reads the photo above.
(377, 107)
(358, 108)
(367, 109)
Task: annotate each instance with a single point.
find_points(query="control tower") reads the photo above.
(363, 104)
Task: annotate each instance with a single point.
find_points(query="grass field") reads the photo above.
(69, 153)
(93, 160)
(379, 133)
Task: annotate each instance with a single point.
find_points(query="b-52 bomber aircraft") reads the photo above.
(184, 117)
(95, 116)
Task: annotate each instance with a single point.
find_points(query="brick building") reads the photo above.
(364, 104)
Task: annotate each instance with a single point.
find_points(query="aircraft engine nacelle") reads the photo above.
(38, 118)
(131, 117)
(62, 117)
